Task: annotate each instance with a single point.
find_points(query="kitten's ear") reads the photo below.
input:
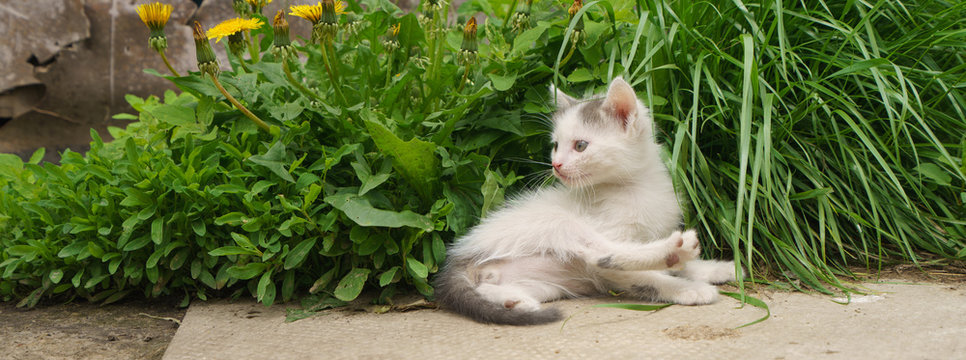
(562, 100)
(621, 102)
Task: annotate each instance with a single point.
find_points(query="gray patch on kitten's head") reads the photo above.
(590, 113)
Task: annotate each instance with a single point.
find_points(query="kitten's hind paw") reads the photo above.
(697, 294)
(684, 247)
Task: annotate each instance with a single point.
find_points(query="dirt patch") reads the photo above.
(954, 273)
(130, 330)
(702, 332)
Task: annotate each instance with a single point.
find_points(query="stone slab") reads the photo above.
(899, 321)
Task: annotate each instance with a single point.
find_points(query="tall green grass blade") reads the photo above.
(635, 307)
(750, 300)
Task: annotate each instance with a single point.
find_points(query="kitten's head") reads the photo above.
(601, 140)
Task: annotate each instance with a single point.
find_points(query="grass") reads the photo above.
(810, 136)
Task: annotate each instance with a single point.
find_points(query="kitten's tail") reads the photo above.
(455, 291)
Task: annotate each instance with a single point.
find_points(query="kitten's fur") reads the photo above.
(610, 226)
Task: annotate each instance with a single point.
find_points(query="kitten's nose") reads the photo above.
(556, 165)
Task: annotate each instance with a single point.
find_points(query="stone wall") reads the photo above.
(66, 65)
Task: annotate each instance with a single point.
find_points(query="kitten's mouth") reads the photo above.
(565, 178)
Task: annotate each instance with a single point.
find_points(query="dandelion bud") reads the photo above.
(435, 5)
(257, 5)
(327, 27)
(575, 7)
(352, 26)
(207, 63)
(323, 16)
(579, 26)
(282, 45)
(521, 19)
(241, 8)
(391, 43)
(468, 48)
(280, 27)
(236, 43)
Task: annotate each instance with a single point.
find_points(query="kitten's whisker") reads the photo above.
(527, 161)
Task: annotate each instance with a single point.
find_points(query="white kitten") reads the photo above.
(609, 226)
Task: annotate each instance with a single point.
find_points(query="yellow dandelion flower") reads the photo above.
(313, 13)
(155, 15)
(340, 7)
(232, 26)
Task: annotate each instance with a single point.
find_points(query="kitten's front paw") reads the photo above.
(697, 294)
(684, 247)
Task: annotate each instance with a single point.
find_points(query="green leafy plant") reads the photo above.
(803, 140)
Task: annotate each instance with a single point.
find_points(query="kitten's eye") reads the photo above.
(580, 145)
(554, 143)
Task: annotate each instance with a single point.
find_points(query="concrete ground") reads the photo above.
(899, 320)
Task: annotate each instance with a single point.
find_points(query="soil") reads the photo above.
(138, 329)
(700, 332)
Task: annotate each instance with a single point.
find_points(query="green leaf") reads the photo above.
(372, 243)
(934, 172)
(526, 40)
(298, 253)
(351, 285)
(416, 268)
(502, 82)
(171, 114)
(264, 294)
(157, 230)
(38, 155)
(286, 112)
(154, 258)
(369, 181)
(859, 67)
(56, 275)
(415, 159)
(22, 250)
(73, 249)
(198, 226)
(231, 250)
(492, 193)
(137, 243)
(247, 271)
(361, 212)
(311, 195)
(10, 165)
(242, 241)
(580, 75)
(274, 160)
(809, 194)
(389, 276)
(232, 218)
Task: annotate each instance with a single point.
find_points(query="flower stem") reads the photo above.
(466, 74)
(506, 19)
(389, 68)
(298, 85)
(251, 48)
(261, 124)
(569, 54)
(328, 69)
(241, 61)
(168, 64)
